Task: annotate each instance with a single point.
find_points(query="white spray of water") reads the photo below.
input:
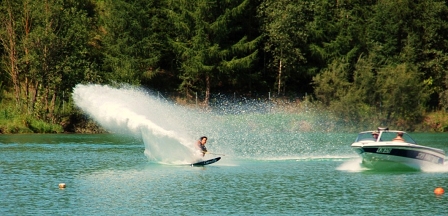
(132, 111)
(353, 165)
(436, 168)
(249, 129)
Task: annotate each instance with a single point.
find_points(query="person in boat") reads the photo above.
(375, 135)
(399, 137)
(201, 145)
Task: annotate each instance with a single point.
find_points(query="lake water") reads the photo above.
(275, 164)
(110, 175)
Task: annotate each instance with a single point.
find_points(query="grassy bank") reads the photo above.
(301, 115)
(13, 122)
(435, 122)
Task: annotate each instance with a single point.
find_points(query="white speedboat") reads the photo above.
(384, 149)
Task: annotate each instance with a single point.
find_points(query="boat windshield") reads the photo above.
(384, 136)
(365, 136)
(390, 136)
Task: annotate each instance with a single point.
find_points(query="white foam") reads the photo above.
(352, 166)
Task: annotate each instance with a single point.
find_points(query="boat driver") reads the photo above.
(375, 135)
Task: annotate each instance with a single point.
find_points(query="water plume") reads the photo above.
(134, 111)
(238, 128)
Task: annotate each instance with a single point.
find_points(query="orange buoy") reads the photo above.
(439, 191)
(61, 185)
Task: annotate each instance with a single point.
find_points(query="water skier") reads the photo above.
(201, 145)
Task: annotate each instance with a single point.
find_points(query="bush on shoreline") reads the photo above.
(311, 116)
(436, 122)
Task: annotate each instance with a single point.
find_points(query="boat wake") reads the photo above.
(436, 168)
(310, 158)
(353, 165)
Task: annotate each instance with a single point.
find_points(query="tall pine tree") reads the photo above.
(285, 34)
(133, 39)
(210, 43)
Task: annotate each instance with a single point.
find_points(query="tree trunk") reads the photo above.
(279, 77)
(51, 108)
(45, 98)
(26, 70)
(207, 90)
(9, 44)
(35, 90)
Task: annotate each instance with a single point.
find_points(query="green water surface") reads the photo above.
(110, 175)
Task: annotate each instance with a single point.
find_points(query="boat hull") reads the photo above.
(399, 157)
(390, 149)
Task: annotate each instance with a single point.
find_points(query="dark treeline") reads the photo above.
(376, 61)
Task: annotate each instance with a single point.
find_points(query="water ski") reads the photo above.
(207, 162)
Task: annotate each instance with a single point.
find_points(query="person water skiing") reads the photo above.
(201, 145)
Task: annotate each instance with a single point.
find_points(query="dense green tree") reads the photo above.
(444, 94)
(9, 37)
(368, 61)
(332, 84)
(285, 32)
(403, 95)
(210, 43)
(57, 51)
(47, 45)
(430, 49)
(132, 39)
(372, 44)
(412, 32)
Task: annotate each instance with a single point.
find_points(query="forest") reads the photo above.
(366, 62)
